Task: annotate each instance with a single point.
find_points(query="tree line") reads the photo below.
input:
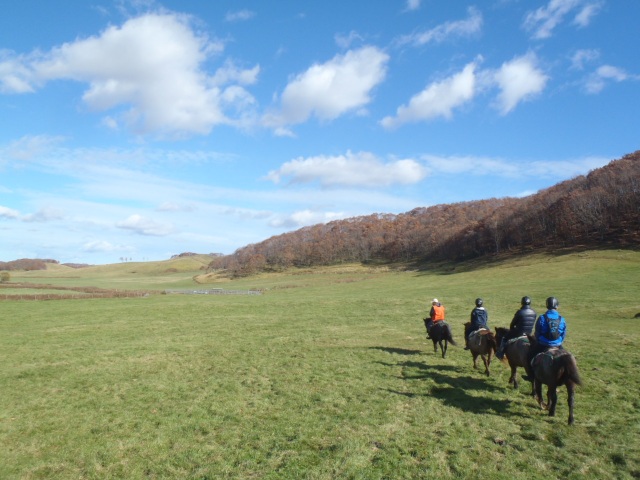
(594, 210)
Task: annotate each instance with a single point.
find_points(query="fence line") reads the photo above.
(71, 296)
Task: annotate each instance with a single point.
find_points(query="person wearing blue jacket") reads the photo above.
(479, 319)
(549, 332)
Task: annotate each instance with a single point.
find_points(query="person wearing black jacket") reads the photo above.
(522, 324)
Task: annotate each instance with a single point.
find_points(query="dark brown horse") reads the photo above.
(517, 353)
(440, 335)
(554, 368)
(482, 343)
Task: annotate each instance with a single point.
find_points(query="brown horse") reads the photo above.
(440, 335)
(554, 368)
(517, 352)
(482, 343)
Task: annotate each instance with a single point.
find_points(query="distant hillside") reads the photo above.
(177, 263)
(599, 209)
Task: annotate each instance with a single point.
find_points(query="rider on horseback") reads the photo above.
(550, 332)
(521, 324)
(479, 319)
(436, 314)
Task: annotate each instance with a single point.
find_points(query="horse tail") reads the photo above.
(491, 340)
(571, 374)
(450, 336)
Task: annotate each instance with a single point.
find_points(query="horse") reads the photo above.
(482, 343)
(440, 335)
(554, 368)
(517, 352)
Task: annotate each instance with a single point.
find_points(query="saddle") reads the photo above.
(514, 340)
(546, 358)
(476, 336)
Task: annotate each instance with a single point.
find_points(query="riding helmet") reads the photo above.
(525, 301)
(479, 302)
(552, 303)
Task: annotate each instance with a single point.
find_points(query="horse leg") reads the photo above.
(533, 388)
(435, 346)
(514, 376)
(570, 400)
(552, 397)
(487, 362)
(537, 385)
(444, 350)
(475, 360)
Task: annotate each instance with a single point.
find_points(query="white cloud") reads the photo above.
(544, 20)
(437, 100)
(331, 89)
(461, 28)
(519, 80)
(355, 170)
(10, 213)
(145, 226)
(150, 68)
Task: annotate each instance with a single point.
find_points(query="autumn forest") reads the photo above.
(592, 211)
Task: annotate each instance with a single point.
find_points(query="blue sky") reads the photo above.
(143, 129)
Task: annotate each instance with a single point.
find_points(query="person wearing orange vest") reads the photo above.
(436, 314)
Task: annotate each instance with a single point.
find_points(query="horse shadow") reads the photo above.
(399, 351)
(453, 391)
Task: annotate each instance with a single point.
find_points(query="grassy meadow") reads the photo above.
(326, 375)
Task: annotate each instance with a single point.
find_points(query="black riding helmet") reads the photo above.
(552, 303)
(479, 302)
(525, 301)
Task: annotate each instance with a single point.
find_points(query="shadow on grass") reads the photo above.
(399, 351)
(453, 390)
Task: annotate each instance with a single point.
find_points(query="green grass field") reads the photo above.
(325, 375)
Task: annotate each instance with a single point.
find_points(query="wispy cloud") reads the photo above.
(582, 57)
(413, 5)
(544, 20)
(598, 80)
(460, 28)
(239, 15)
(508, 168)
(303, 218)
